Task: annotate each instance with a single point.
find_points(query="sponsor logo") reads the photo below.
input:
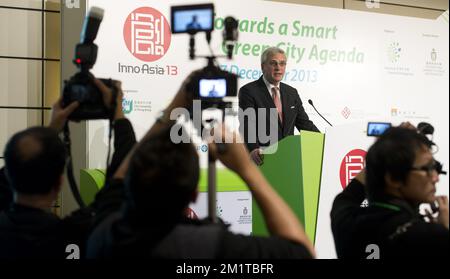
(407, 113)
(127, 106)
(395, 65)
(433, 67)
(394, 51)
(147, 34)
(433, 55)
(346, 112)
(351, 165)
(394, 111)
(219, 210)
(202, 148)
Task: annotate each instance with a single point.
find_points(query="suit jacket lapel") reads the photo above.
(267, 97)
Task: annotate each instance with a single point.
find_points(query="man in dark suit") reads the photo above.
(268, 94)
(194, 24)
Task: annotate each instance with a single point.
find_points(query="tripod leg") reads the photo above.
(212, 189)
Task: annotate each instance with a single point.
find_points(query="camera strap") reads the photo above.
(108, 159)
(70, 176)
(114, 92)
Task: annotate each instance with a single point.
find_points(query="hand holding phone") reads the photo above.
(443, 216)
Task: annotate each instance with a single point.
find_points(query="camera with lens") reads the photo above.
(81, 86)
(211, 85)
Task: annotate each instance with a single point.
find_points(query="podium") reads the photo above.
(294, 171)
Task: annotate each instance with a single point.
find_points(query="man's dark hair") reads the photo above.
(393, 153)
(34, 160)
(162, 177)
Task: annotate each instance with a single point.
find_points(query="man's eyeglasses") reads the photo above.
(274, 63)
(433, 166)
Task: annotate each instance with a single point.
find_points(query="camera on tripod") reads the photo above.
(211, 85)
(81, 87)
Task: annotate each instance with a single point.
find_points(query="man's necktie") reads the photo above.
(277, 102)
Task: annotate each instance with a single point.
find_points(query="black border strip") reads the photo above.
(30, 9)
(25, 108)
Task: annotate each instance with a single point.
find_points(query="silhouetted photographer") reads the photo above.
(400, 175)
(34, 166)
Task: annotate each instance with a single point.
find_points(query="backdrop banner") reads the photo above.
(355, 66)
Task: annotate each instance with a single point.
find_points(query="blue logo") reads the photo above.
(127, 106)
(204, 148)
(394, 51)
(219, 210)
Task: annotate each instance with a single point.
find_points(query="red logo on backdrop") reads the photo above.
(346, 112)
(147, 34)
(351, 165)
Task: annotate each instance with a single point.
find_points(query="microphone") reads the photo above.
(311, 103)
(230, 34)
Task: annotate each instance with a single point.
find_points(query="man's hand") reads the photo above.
(407, 125)
(108, 96)
(443, 210)
(257, 156)
(234, 156)
(442, 216)
(60, 114)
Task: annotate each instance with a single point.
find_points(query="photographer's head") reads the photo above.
(400, 164)
(273, 64)
(162, 177)
(34, 162)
